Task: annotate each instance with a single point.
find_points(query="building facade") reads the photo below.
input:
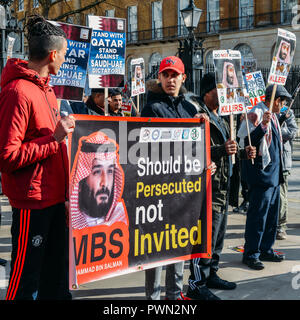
(155, 26)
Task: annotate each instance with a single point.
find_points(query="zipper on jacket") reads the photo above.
(54, 118)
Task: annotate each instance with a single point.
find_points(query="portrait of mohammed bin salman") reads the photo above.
(98, 182)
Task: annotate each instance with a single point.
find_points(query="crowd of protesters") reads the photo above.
(34, 167)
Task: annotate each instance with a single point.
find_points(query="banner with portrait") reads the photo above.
(70, 81)
(140, 195)
(137, 77)
(229, 81)
(106, 67)
(283, 57)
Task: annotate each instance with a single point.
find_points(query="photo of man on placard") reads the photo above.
(98, 183)
(283, 53)
(229, 75)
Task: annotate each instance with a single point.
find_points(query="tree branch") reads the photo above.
(78, 10)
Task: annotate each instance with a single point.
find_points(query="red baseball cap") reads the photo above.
(171, 63)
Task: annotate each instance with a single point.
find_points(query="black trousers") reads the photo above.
(39, 260)
(202, 268)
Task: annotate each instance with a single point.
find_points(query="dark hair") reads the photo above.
(97, 90)
(43, 37)
(115, 92)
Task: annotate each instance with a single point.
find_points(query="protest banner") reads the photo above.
(249, 65)
(106, 67)
(229, 83)
(283, 57)
(140, 195)
(126, 108)
(282, 60)
(137, 79)
(255, 86)
(70, 81)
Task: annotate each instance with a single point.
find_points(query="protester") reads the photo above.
(263, 179)
(204, 271)
(34, 166)
(289, 131)
(95, 102)
(166, 100)
(115, 104)
(80, 107)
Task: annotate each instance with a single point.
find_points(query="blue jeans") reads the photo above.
(174, 281)
(261, 223)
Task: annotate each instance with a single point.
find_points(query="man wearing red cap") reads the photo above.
(166, 100)
(165, 96)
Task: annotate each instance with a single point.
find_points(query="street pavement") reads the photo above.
(278, 281)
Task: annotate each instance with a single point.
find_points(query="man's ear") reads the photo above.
(159, 77)
(52, 55)
(183, 78)
(277, 101)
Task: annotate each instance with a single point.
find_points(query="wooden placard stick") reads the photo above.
(272, 97)
(249, 137)
(135, 108)
(106, 101)
(138, 103)
(232, 135)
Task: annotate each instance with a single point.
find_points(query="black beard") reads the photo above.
(282, 56)
(230, 80)
(88, 203)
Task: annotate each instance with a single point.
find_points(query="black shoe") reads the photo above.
(254, 264)
(272, 257)
(3, 262)
(215, 282)
(244, 206)
(236, 210)
(201, 293)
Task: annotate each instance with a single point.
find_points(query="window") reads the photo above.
(245, 51)
(286, 11)
(154, 63)
(21, 5)
(132, 23)
(157, 20)
(70, 19)
(110, 13)
(246, 12)
(35, 3)
(249, 62)
(209, 62)
(181, 27)
(213, 16)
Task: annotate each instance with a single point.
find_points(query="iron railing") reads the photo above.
(207, 28)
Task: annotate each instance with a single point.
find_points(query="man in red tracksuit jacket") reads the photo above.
(34, 166)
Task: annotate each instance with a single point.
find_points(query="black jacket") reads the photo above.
(160, 105)
(93, 109)
(221, 179)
